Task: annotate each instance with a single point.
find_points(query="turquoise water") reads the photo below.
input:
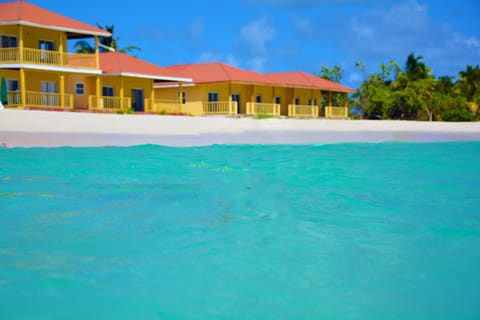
(341, 231)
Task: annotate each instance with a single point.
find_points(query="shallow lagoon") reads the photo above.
(334, 231)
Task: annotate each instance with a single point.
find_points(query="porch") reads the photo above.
(334, 112)
(40, 100)
(47, 58)
(303, 111)
(270, 109)
(108, 103)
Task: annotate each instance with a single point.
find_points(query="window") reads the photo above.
(49, 98)
(312, 102)
(278, 100)
(80, 88)
(14, 94)
(107, 91)
(12, 85)
(212, 96)
(297, 101)
(258, 98)
(184, 97)
(8, 42)
(46, 45)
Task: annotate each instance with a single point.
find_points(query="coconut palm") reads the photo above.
(415, 68)
(83, 46)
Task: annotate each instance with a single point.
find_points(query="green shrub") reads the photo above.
(162, 112)
(260, 116)
(458, 115)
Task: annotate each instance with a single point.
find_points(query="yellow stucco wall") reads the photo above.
(247, 92)
(32, 36)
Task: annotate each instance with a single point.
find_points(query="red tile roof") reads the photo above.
(25, 13)
(220, 72)
(298, 78)
(117, 63)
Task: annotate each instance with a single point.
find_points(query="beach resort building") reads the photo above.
(41, 73)
(218, 88)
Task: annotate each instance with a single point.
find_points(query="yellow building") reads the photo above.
(41, 73)
(218, 88)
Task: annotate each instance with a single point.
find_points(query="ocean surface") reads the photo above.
(335, 231)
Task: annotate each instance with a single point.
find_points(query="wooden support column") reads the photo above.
(330, 99)
(60, 48)
(20, 43)
(23, 88)
(98, 94)
(180, 96)
(62, 90)
(152, 96)
(122, 94)
(97, 53)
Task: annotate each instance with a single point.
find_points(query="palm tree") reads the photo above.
(469, 87)
(415, 68)
(83, 46)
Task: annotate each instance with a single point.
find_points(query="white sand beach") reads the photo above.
(19, 128)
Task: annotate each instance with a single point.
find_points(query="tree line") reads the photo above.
(413, 92)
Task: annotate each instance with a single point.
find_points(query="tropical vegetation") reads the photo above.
(414, 93)
(83, 46)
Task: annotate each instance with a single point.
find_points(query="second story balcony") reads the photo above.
(16, 55)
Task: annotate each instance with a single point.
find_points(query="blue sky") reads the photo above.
(287, 35)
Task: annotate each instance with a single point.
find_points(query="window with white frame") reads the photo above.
(79, 88)
(297, 101)
(312, 101)
(258, 98)
(278, 100)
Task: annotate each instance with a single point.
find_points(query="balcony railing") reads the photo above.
(109, 103)
(162, 106)
(336, 112)
(304, 111)
(49, 58)
(254, 108)
(220, 107)
(40, 99)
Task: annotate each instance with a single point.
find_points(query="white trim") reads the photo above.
(173, 85)
(146, 76)
(57, 28)
(49, 68)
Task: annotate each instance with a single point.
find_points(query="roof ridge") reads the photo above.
(224, 69)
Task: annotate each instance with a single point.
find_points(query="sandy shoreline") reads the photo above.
(20, 128)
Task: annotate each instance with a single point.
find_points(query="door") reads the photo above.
(50, 89)
(236, 97)
(137, 100)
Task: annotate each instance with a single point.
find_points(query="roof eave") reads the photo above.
(147, 76)
(57, 28)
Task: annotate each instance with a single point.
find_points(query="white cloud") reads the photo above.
(302, 26)
(217, 57)
(256, 35)
(383, 34)
(257, 64)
